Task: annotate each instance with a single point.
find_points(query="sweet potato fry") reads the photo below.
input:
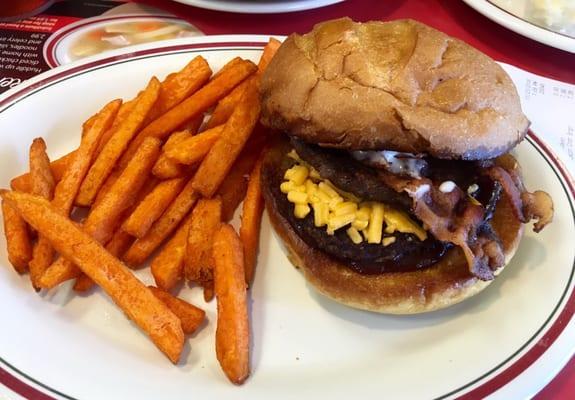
(60, 271)
(232, 192)
(166, 168)
(106, 186)
(232, 333)
(226, 106)
(17, 239)
(152, 207)
(148, 187)
(105, 217)
(40, 173)
(42, 185)
(116, 145)
(222, 155)
(230, 65)
(252, 210)
(125, 110)
(206, 220)
(209, 291)
(193, 149)
(193, 125)
(83, 283)
(119, 243)
(121, 240)
(87, 124)
(42, 258)
(194, 105)
(67, 188)
(176, 87)
(131, 295)
(23, 182)
(59, 166)
(233, 189)
(269, 51)
(163, 227)
(190, 315)
(168, 266)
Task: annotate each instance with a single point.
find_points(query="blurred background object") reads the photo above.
(555, 15)
(13, 10)
(112, 35)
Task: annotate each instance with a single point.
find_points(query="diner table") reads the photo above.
(453, 17)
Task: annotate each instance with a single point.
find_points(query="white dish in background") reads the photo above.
(507, 342)
(516, 20)
(259, 6)
(72, 42)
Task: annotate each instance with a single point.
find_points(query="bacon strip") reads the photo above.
(526, 205)
(451, 217)
(538, 205)
(510, 188)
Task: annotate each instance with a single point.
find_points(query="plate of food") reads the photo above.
(259, 7)
(548, 22)
(133, 198)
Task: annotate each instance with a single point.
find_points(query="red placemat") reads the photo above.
(450, 16)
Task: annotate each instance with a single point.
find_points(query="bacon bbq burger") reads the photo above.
(392, 188)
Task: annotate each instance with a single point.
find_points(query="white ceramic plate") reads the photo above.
(518, 23)
(259, 6)
(508, 341)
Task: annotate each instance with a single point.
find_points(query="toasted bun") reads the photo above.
(446, 283)
(397, 85)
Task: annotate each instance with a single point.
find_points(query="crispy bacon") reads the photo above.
(510, 188)
(451, 217)
(526, 206)
(538, 205)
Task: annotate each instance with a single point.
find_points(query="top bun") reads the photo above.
(397, 85)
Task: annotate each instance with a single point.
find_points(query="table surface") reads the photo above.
(450, 16)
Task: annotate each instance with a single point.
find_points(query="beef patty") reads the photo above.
(407, 253)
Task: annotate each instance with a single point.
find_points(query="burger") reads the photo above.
(391, 184)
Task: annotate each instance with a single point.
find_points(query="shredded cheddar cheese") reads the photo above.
(335, 209)
(388, 240)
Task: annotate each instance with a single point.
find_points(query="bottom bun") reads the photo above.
(445, 283)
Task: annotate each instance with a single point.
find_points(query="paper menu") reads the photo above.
(550, 106)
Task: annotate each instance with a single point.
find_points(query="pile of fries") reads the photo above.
(160, 176)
